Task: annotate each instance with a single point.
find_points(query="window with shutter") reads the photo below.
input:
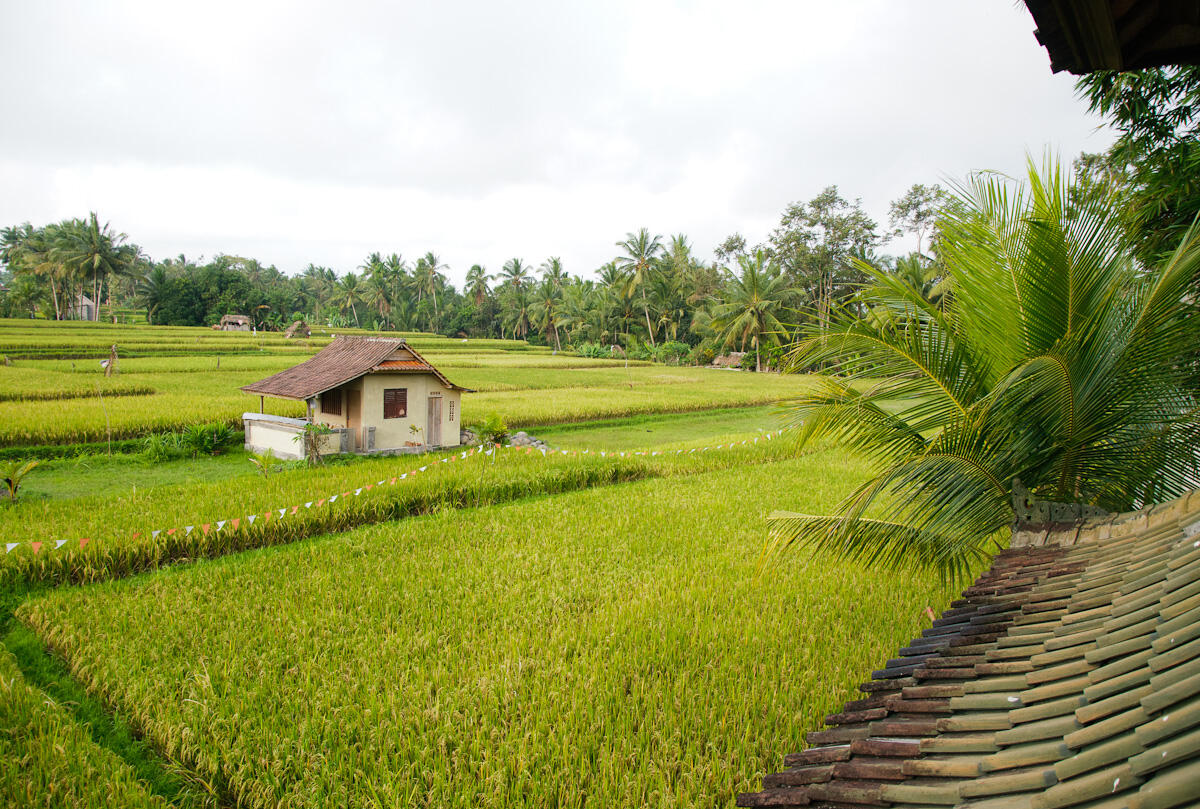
(395, 403)
(331, 402)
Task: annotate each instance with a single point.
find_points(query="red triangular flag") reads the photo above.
(234, 522)
(83, 543)
(170, 531)
(37, 546)
(267, 517)
(321, 502)
(369, 486)
(205, 527)
(137, 534)
(295, 509)
(392, 482)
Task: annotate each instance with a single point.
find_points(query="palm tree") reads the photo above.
(348, 294)
(546, 301)
(552, 271)
(1058, 361)
(750, 305)
(152, 291)
(427, 278)
(515, 273)
(94, 252)
(638, 254)
(477, 284)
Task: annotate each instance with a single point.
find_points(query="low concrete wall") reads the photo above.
(1185, 509)
(282, 436)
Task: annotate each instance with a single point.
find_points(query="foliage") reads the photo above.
(13, 473)
(1156, 159)
(502, 657)
(750, 305)
(1056, 362)
(265, 463)
(159, 447)
(311, 439)
(815, 245)
(491, 430)
(208, 439)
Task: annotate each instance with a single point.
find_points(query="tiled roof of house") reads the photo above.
(1068, 675)
(343, 360)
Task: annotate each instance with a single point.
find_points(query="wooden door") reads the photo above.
(433, 424)
(354, 415)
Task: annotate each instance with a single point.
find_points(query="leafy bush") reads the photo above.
(160, 447)
(492, 430)
(702, 355)
(208, 439)
(11, 476)
(672, 353)
(593, 350)
(748, 361)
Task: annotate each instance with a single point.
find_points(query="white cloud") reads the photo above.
(293, 132)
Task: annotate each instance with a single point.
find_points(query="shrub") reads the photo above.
(208, 439)
(160, 447)
(672, 353)
(492, 430)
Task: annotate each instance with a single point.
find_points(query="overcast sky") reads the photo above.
(318, 132)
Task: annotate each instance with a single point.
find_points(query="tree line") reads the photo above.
(656, 296)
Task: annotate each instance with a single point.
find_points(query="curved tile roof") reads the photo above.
(343, 360)
(1067, 675)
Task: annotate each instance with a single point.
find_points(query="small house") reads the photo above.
(376, 394)
(82, 308)
(234, 323)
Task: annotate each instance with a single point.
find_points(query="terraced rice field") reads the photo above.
(66, 401)
(615, 647)
(586, 628)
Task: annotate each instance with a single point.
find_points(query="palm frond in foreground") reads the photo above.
(1056, 360)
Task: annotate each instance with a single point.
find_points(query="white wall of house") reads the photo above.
(280, 435)
(396, 433)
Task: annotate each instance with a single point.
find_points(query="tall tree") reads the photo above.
(750, 305)
(816, 242)
(477, 284)
(916, 211)
(1157, 156)
(639, 252)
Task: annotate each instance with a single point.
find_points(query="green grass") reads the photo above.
(660, 430)
(143, 529)
(48, 759)
(613, 647)
(110, 476)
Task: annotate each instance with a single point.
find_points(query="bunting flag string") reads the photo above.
(235, 523)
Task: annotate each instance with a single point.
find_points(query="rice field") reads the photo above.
(98, 537)
(52, 401)
(48, 760)
(585, 628)
(611, 647)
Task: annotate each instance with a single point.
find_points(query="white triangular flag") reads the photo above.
(403, 476)
(335, 497)
(250, 518)
(423, 468)
(189, 530)
(308, 504)
(220, 525)
(58, 543)
(154, 534)
(357, 492)
(282, 511)
(654, 453)
(10, 545)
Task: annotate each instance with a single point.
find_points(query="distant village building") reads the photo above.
(82, 308)
(376, 394)
(235, 323)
